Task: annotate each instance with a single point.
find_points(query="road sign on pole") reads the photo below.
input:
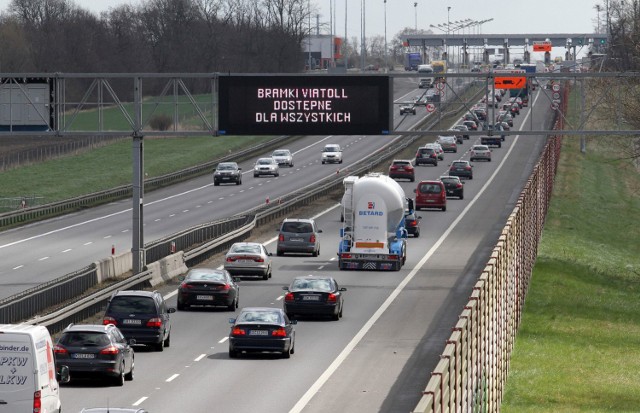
(542, 46)
(431, 107)
(555, 87)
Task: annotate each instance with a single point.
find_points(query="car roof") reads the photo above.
(430, 181)
(96, 328)
(135, 293)
(480, 146)
(282, 150)
(449, 177)
(268, 309)
(401, 160)
(298, 220)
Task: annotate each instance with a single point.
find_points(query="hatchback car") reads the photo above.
(283, 157)
(260, 329)
(412, 223)
(408, 109)
(431, 194)
(448, 143)
(427, 156)
(266, 166)
(142, 316)
(227, 172)
(461, 168)
(314, 296)
(471, 124)
(248, 258)
(208, 287)
(331, 153)
(95, 351)
(453, 185)
(480, 152)
(402, 169)
(463, 129)
(298, 235)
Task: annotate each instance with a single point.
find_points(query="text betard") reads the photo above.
(302, 105)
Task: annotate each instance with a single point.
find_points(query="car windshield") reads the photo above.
(245, 249)
(226, 167)
(480, 148)
(459, 164)
(264, 162)
(260, 317)
(206, 276)
(430, 188)
(401, 163)
(132, 305)
(297, 227)
(280, 153)
(449, 180)
(84, 339)
(311, 284)
(330, 149)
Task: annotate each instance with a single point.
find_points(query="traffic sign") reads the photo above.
(555, 87)
(542, 46)
(515, 82)
(556, 95)
(555, 106)
(440, 85)
(431, 107)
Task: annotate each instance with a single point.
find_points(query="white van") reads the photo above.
(426, 80)
(28, 380)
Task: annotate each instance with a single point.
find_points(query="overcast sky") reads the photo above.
(519, 16)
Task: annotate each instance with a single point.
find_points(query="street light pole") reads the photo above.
(386, 63)
(447, 46)
(415, 12)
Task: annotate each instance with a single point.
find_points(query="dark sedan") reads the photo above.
(412, 224)
(453, 185)
(262, 329)
(462, 169)
(95, 351)
(210, 287)
(314, 296)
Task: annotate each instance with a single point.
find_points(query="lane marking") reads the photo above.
(200, 357)
(18, 267)
(223, 340)
(67, 250)
(88, 243)
(172, 378)
(333, 367)
(139, 401)
(43, 258)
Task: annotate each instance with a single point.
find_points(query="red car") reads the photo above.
(402, 169)
(431, 194)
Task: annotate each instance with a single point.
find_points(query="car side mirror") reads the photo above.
(270, 254)
(293, 321)
(239, 169)
(232, 320)
(62, 375)
(236, 279)
(343, 289)
(415, 191)
(319, 231)
(181, 278)
(132, 341)
(285, 288)
(171, 310)
(419, 217)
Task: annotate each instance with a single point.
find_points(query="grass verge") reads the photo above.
(578, 349)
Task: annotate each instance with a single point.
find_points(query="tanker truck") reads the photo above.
(373, 236)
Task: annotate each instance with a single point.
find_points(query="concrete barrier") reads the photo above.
(114, 266)
(167, 268)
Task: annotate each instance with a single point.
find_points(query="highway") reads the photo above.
(379, 356)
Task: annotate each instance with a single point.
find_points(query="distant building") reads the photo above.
(319, 48)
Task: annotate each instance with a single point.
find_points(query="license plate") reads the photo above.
(204, 297)
(83, 356)
(431, 200)
(400, 169)
(258, 332)
(296, 239)
(132, 321)
(310, 298)
(450, 192)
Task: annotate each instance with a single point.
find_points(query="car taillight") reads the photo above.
(281, 238)
(281, 332)
(155, 322)
(58, 349)
(230, 259)
(111, 350)
(433, 155)
(238, 332)
(347, 256)
(288, 297)
(37, 402)
(413, 223)
(185, 286)
(468, 168)
(331, 298)
(225, 287)
(109, 320)
(312, 238)
(458, 186)
(393, 257)
(258, 259)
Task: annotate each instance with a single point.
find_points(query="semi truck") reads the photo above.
(412, 60)
(373, 235)
(439, 69)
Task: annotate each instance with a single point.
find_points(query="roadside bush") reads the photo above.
(161, 122)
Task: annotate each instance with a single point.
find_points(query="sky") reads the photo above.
(519, 16)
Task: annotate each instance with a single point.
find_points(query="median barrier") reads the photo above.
(114, 266)
(167, 268)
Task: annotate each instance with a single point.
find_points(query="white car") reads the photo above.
(266, 166)
(283, 157)
(332, 153)
(480, 152)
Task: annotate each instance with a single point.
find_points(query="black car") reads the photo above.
(314, 296)
(461, 168)
(426, 156)
(463, 129)
(95, 351)
(412, 223)
(142, 316)
(262, 329)
(227, 172)
(208, 287)
(453, 185)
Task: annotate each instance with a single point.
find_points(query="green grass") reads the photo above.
(112, 166)
(578, 347)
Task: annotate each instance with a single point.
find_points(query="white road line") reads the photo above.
(139, 401)
(280, 298)
(88, 243)
(43, 258)
(321, 267)
(125, 230)
(106, 237)
(18, 267)
(172, 378)
(67, 250)
(173, 215)
(200, 357)
(186, 210)
(156, 220)
(223, 340)
(315, 388)
(171, 294)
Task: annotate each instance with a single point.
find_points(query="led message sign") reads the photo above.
(304, 105)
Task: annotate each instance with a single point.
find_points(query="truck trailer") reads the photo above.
(412, 60)
(373, 235)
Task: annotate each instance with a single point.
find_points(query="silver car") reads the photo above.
(266, 166)
(298, 235)
(480, 152)
(283, 157)
(248, 258)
